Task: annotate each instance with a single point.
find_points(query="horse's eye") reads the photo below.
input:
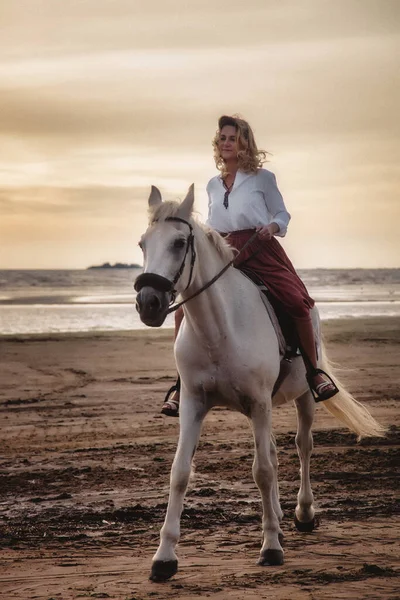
(179, 244)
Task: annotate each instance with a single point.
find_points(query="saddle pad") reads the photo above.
(272, 315)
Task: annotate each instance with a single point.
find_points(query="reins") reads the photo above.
(215, 278)
(165, 285)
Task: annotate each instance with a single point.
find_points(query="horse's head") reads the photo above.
(168, 251)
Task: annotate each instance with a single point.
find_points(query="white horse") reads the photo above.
(227, 354)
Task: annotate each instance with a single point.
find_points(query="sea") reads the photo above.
(103, 299)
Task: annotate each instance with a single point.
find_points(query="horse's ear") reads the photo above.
(186, 207)
(155, 197)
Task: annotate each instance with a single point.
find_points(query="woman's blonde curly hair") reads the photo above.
(250, 158)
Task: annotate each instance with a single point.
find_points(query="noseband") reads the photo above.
(162, 284)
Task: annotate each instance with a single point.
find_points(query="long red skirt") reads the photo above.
(273, 267)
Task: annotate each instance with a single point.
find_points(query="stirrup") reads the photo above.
(172, 412)
(317, 391)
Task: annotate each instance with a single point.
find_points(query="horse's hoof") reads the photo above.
(162, 570)
(305, 526)
(270, 558)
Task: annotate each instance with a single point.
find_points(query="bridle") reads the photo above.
(162, 284)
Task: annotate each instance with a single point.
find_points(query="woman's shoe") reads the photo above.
(170, 407)
(324, 389)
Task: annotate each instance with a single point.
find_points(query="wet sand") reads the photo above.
(85, 459)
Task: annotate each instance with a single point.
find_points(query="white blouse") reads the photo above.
(254, 201)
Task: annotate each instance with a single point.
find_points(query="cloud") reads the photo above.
(101, 99)
(39, 26)
(93, 201)
(165, 98)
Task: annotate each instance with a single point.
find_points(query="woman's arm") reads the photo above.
(275, 205)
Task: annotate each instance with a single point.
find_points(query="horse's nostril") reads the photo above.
(150, 304)
(154, 303)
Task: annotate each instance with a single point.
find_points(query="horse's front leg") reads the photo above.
(192, 413)
(265, 475)
(304, 516)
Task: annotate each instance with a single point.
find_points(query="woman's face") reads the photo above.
(227, 144)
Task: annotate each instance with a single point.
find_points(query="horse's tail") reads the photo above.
(347, 409)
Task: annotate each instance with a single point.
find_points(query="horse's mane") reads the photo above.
(219, 243)
(164, 210)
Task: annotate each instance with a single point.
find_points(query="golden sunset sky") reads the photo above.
(100, 99)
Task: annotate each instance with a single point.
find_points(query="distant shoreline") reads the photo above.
(116, 266)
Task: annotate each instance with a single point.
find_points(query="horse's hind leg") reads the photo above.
(264, 472)
(165, 561)
(304, 513)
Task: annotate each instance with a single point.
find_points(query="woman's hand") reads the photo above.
(267, 232)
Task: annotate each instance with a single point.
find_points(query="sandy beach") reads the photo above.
(85, 460)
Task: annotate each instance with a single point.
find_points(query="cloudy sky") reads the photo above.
(102, 98)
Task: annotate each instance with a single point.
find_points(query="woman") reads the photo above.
(245, 198)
